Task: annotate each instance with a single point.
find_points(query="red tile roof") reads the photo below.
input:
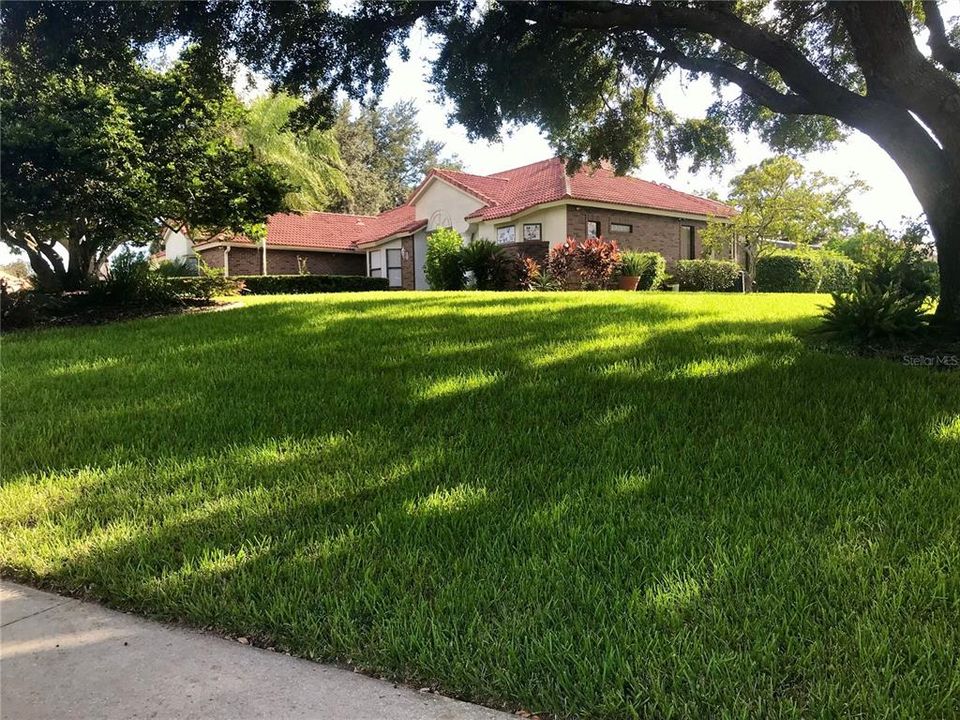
(504, 194)
(547, 181)
(336, 231)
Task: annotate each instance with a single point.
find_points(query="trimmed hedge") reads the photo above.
(709, 275)
(203, 287)
(811, 271)
(295, 284)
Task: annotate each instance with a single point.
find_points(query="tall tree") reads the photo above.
(385, 155)
(778, 199)
(309, 159)
(587, 72)
(91, 163)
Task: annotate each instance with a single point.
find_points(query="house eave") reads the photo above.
(506, 219)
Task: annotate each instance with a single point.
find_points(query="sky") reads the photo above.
(888, 199)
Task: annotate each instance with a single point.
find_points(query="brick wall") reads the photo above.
(408, 278)
(649, 232)
(247, 261)
(534, 249)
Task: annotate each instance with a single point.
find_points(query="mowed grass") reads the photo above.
(587, 504)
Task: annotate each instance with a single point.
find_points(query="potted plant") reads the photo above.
(631, 268)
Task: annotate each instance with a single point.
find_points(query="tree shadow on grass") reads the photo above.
(634, 510)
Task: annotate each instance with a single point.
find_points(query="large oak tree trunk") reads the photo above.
(945, 223)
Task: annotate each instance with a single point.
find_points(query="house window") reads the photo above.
(376, 263)
(507, 234)
(532, 231)
(394, 274)
(593, 228)
(688, 243)
(621, 228)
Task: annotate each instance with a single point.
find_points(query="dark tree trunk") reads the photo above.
(945, 223)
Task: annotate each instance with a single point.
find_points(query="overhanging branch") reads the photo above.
(753, 86)
(940, 48)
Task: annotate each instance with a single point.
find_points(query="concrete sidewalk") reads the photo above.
(63, 658)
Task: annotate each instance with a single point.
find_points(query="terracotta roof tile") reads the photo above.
(336, 231)
(547, 181)
(504, 194)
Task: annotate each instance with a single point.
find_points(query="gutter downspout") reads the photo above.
(226, 261)
(264, 255)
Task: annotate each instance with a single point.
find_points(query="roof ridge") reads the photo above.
(521, 167)
(327, 212)
(461, 172)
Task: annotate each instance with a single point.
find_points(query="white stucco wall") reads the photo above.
(176, 245)
(553, 223)
(380, 255)
(443, 205)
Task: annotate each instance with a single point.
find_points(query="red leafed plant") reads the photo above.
(594, 261)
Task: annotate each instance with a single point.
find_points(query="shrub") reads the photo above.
(298, 284)
(787, 272)
(805, 271)
(489, 263)
(874, 313)
(709, 275)
(590, 263)
(442, 264)
(132, 282)
(208, 282)
(887, 303)
(528, 271)
(205, 287)
(838, 274)
(181, 267)
(650, 267)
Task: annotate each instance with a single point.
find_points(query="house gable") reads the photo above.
(443, 204)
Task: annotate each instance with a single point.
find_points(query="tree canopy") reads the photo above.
(93, 162)
(309, 160)
(588, 72)
(778, 199)
(385, 155)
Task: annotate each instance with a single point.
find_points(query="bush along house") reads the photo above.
(528, 210)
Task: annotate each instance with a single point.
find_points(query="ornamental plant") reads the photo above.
(590, 264)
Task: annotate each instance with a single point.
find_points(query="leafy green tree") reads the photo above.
(309, 159)
(588, 72)
(385, 155)
(89, 164)
(778, 199)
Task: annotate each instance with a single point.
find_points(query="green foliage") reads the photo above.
(308, 160)
(778, 199)
(893, 285)
(296, 284)
(590, 264)
(839, 273)
(384, 156)
(204, 283)
(708, 275)
(443, 265)
(90, 163)
(874, 313)
(805, 271)
(131, 281)
(650, 267)
(491, 265)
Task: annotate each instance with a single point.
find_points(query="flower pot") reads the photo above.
(629, 282)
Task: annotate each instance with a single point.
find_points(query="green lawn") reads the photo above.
(607, 504)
